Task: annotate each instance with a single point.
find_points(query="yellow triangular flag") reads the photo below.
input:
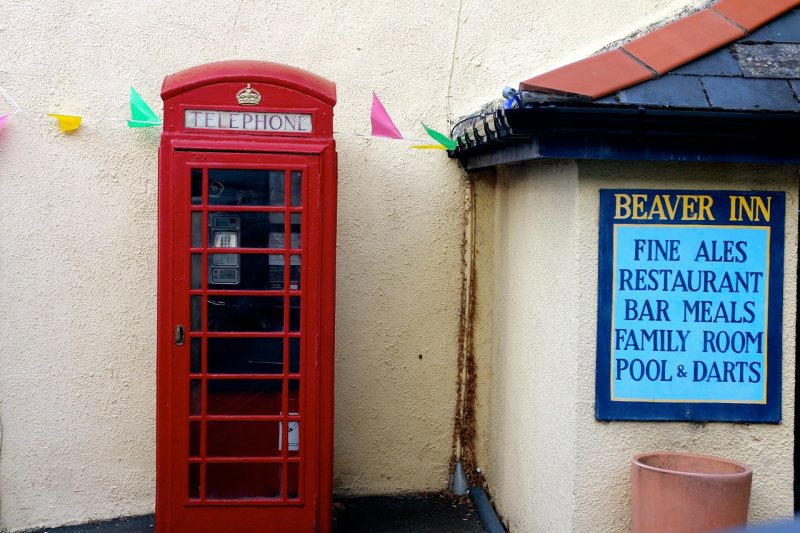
(429, 147)
(67, 122)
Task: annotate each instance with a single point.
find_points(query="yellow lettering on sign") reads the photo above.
(705, 207)
(638, 206)
(688, 207)
(753, 207)
(623, 202)
(663, 206)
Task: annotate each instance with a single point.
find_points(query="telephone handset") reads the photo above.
(225, 228)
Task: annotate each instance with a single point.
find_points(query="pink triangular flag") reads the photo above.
(382, 125)
(3, 120)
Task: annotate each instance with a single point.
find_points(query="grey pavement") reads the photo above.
(431, 513)
(427, 513)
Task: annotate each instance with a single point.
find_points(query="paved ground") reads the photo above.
(431, 513)
(136, 524)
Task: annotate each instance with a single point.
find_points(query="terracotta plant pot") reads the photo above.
(687, 493)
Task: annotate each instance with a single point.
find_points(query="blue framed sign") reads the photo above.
(690, 302)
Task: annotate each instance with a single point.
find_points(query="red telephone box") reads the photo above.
(247, 241)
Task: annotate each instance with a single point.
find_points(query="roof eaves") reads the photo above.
(627, 133)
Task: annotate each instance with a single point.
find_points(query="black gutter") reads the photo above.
(561, 131)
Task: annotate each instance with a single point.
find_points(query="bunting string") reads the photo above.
(10, 100)
(71, 122)
(142, 116)
(365, 136)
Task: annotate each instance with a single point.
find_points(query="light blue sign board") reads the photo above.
(690, 304)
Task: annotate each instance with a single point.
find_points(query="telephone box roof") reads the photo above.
(249, 72)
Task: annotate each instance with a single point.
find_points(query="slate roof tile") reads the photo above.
(672, 90)
(795, 84)
(750, 94)
(786, 29)
(718, 63)
(779, 60)
(761, 35)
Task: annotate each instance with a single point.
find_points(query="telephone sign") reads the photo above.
(247, 121)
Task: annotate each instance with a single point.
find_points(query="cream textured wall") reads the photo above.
(483, 183)
(531, 440)
(552, 467)
(78, 223)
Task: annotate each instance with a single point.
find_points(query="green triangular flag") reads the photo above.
(141, 115)
(441, 138)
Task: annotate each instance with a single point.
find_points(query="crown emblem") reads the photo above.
(248, 96)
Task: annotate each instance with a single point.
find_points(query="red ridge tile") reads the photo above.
(595, 76)
(677, 43)
(751, 14)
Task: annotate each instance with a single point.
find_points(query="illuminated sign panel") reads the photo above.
(247, 121)
(690, 305)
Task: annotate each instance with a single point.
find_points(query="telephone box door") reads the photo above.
(244, 382)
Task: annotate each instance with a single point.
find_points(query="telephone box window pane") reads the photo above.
(195, 360)
(197, 186)
(194, 481)
(195, 397)
(244, 397)
(294, 396)
(195, 313)
(295, 229)
(293, 481)
(277, 188)
(240, 481)
(246, 187)
(297, 188)
(277, 231)
(244, 230)
(294, 272)
(253, 272)
(194, 439)
(294, 356)
(294, 313)
(242, 439)
(197, 229)
(197, 271)
(245, 356)
(245, 313)
(275, 273)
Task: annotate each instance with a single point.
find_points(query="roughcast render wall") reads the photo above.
(534, 362)
(552, 467)
(78, 222)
